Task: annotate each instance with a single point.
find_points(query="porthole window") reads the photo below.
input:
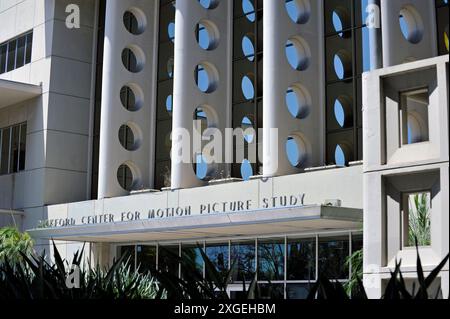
(246, 170)
(134, 21)
(170, 68)
(206, 116)
(411, 24)
(249, 10)
(341, 22)
(133, 59)
(343, 111)
(171, 31)
(248, 48)
(169, 104)
(209, 4)
(249, 130)
(207, 35)
(340, 156)
(299, 10)
(203, 167)
(129, 138)
(248, 89)
(342, 65)
(296, 151)
(206, 77)
(298, 53)
(298, 101)
(131, 97)
(125, 177)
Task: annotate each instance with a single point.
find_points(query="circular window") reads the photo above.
(343, 111)
(248, 89)
(296, 151)
(299, 10)
(171, 31)
(131, 97)
(249, 130)
(249, 10)
(128, 138)
(206, 77)
(342, 65)
(170, 68)
(134, 21)
(204, 167)
(246, 170)
(169, 104)
(298, 53)
(341, 155)
(133, 59)
(248, 48)
(411, 24)
(341, 22)
(126, 178)
(209, 4)
(207, 35)
(298, 101)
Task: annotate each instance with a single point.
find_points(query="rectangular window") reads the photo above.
(16, 52)
(23, 146)
(12, 55)
(414, 116)
(14, 152)
(6, 139)
(146, 258)
(416, 218)
(301, 259)
(3, 55)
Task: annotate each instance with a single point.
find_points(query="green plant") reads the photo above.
(355, 262)
(419, 219)
(34, 278)
(13, 244)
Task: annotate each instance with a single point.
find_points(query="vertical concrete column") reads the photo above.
(115, 77)
(305, 32)
(418, 39)
(375, 34)
(187, 97)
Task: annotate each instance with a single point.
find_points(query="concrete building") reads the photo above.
(348, 102)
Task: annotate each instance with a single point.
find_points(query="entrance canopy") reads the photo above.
(290, 220)
(15, 92)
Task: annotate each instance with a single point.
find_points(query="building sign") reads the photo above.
(202, 209)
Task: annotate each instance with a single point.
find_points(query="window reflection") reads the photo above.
(218, 255)
(168, 257)
(301, 259)
(192, 256)
(333, 253)
(146, 258)
(243, 261)
(271, 260)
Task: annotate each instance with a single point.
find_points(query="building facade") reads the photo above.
(278, 136)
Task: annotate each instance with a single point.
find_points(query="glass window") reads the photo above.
(6, 139)
(11, 55)
(333, 253)
(29, 47)
(297, 291)
(14, 152)
(3, 54)
(417, 220)
(22, 146)
(192, 256)
(168, 257)
(301, 259)
(146, 258)
(243, 261)
(271, 260)
(219, 256)
(20, 58)
(271, 291)
(129, 253)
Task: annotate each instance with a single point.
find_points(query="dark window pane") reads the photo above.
(129, 252)
(23, 146)
(29, 48)
(20, 56)
(4, 165)
(3, 53)
(11, 55)
(297, 291)
(301, 259)
(14, 153)
(168, 259)
(243, 261)
(192, 256)
(333, 254)
(218, 255)
(271, 260)
(271, 291)
(146, 258)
